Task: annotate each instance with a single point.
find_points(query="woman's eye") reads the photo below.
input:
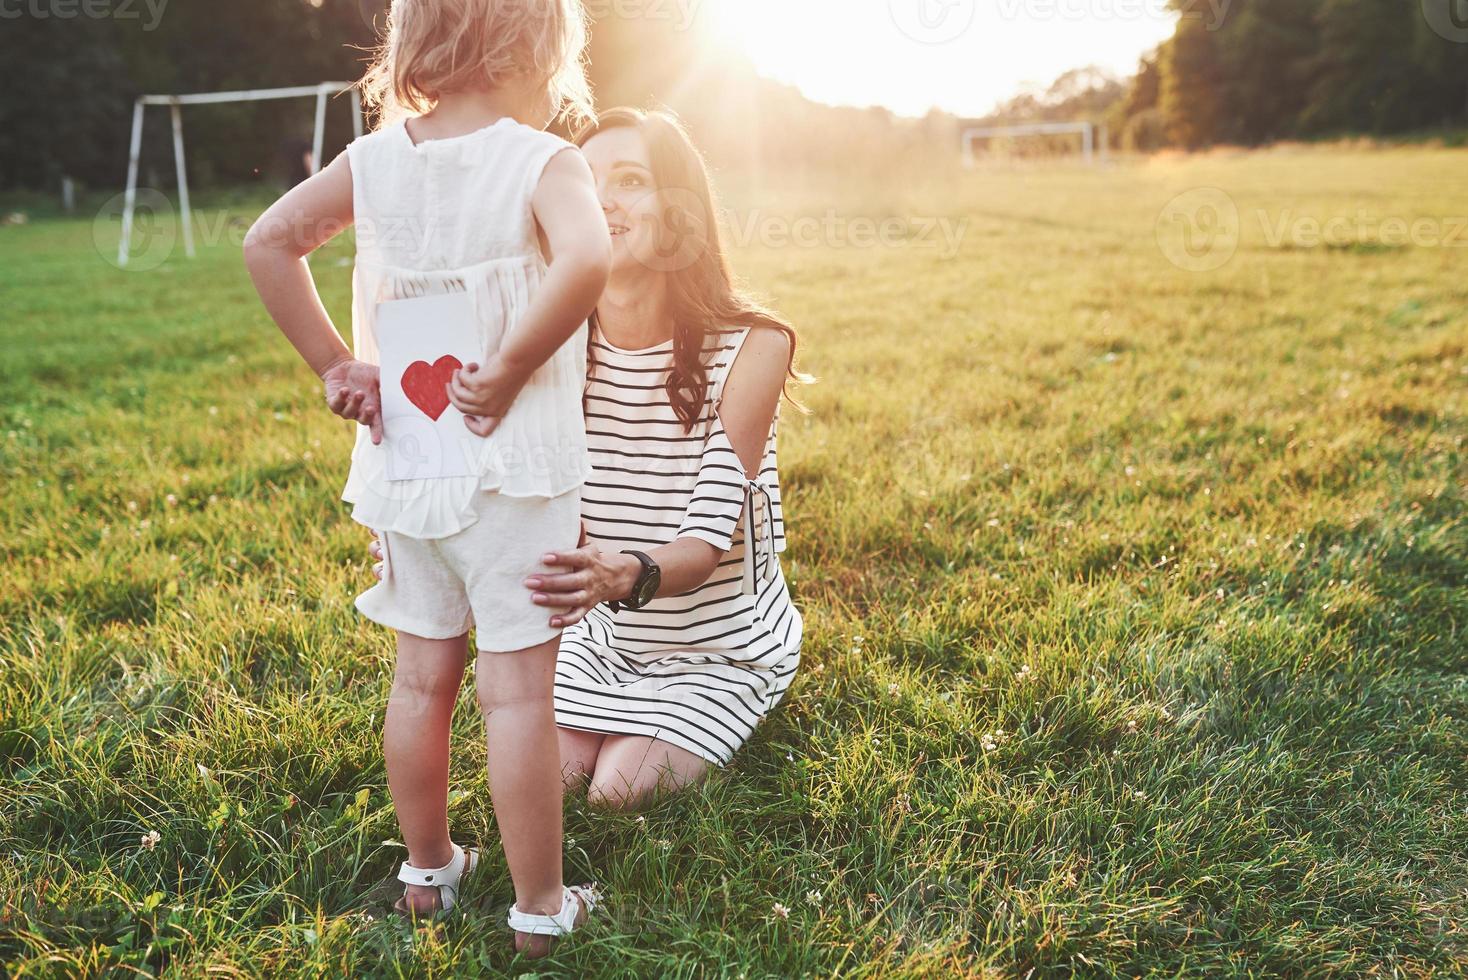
(631, 180)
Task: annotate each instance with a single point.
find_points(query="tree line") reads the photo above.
(67, 86)
(1235, 71)
(1254, 71)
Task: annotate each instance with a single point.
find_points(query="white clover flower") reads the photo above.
(780, 910)
(150, 840)
(813, 897)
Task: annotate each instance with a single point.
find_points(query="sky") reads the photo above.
(964, 56)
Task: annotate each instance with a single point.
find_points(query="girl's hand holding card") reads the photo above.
(353, 391)
(485, 394)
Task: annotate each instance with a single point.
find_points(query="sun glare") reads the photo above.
(963, 56)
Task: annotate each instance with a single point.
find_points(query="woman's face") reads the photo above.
(629, 196)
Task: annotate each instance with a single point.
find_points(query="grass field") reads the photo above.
(1135, 608)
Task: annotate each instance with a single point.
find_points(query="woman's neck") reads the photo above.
(636, 312)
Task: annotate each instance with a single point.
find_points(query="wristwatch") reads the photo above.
(649, 580)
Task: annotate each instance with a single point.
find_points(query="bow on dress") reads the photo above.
(759, 536)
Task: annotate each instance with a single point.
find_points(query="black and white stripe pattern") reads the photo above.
(699, 670)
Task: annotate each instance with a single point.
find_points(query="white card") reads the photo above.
(421, 342)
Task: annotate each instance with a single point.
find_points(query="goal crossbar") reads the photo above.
(321, 92)
(1086, 130)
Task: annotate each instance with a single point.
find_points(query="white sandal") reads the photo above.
(446, 879)
(563, 923)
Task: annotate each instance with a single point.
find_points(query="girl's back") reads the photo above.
(448, 204)
(454, 216)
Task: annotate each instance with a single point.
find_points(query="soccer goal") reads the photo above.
(175, 103)
(1091, 136)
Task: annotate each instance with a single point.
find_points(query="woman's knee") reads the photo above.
(617, 789)
(623, 799)
(579, 752)
(633, 771)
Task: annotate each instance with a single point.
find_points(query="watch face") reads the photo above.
(649, 588)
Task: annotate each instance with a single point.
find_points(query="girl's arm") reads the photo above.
(307, 217)
(587, 577)
(570, 215)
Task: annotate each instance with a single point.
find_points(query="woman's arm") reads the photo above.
(751, 396)
(568, 212)
(307, 217)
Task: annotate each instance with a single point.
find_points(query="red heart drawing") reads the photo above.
(424, 384)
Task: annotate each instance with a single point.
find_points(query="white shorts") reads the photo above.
(439, 590)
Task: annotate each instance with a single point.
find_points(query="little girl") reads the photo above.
(466, 212)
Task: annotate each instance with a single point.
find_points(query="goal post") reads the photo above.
(321, 92)
(1091, 135)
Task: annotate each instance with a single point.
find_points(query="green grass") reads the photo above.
(1194, 543)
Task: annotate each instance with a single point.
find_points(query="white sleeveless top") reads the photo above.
(454, 215)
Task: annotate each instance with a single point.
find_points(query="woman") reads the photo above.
(680, 632)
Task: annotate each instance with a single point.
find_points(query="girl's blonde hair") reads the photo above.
(436, 46)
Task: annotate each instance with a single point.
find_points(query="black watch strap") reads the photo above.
(644, 588)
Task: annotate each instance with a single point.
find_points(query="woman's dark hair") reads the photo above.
(705, 295)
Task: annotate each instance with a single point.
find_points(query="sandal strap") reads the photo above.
(589, 896)
(448, 875)
(563, 923)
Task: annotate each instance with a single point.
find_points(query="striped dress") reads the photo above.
(699, 670)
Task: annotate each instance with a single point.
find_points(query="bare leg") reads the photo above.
(516, 697)
(416, 750)
(579, 751)
(632, 770)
